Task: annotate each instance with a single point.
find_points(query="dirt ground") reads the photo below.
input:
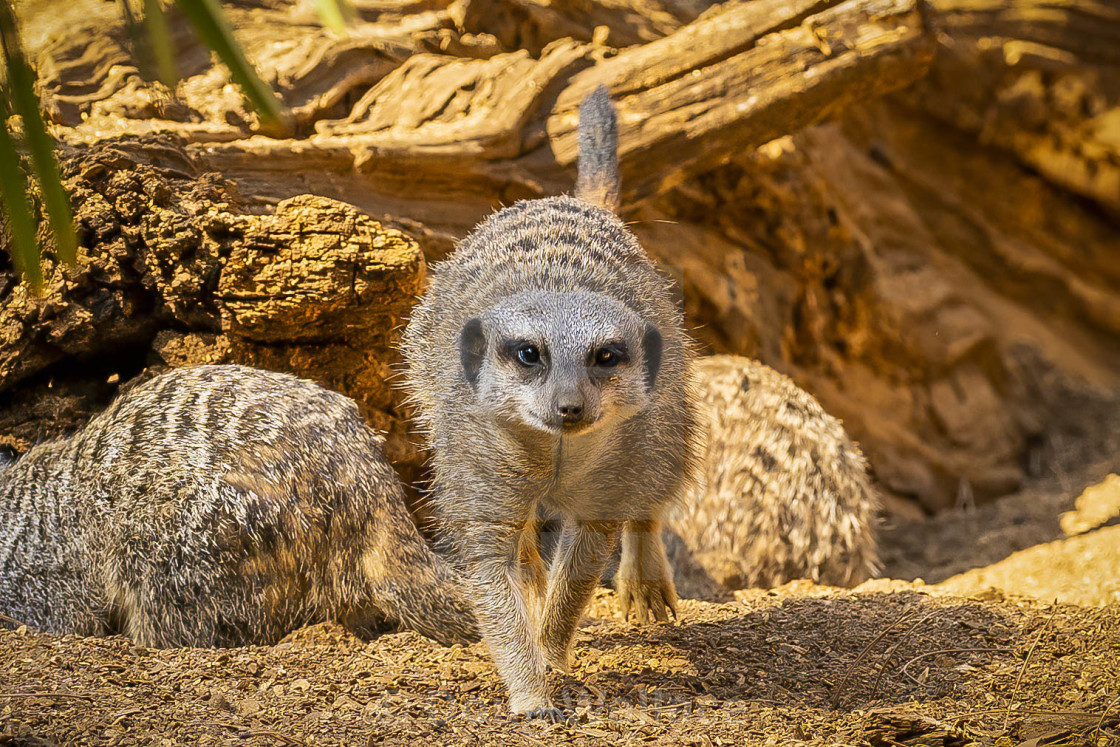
(889, 663)
(954, 246)
(1056, 540)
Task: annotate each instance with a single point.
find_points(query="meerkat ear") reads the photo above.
(651, 352)
(472, 349)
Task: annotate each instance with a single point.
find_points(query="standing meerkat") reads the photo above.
(218, 506)
(549, 365)
(783, 492)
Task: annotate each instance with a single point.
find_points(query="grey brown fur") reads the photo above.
(784, 493)
(601, 440)
(598, 181)
(218, 506)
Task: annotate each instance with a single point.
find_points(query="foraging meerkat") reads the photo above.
(218, 506)
(783, 492)
(548, 362)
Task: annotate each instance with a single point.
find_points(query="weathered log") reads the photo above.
(1041, 78)
(534, 24)
(443, 127)
(453, 131)
(173, 271)
(741, 76)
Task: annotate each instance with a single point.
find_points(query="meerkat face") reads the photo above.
(563, 363)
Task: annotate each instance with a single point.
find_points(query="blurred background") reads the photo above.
(911, 208)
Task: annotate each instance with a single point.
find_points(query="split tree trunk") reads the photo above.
(442, 137)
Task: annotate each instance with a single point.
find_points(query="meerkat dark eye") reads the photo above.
(528, 355)
(608, 356)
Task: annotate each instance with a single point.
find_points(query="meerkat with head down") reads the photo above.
(783, 492)
(218, 506)
(549, 365)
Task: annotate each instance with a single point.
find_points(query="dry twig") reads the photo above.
(1023, 669)
(905, 667)
(73, 696)
(836, 695)
(887, 656)
(1105, 715)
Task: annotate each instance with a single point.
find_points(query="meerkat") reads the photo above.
(783, 492)
(218, 506)
(549, 365)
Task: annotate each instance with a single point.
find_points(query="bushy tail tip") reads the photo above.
(598, 181)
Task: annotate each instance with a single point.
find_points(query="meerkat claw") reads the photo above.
(552, 714)
(659, 613)
(646, 600)
(669, 594)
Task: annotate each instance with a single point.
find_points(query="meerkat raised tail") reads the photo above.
(218, 506)
(549, 363)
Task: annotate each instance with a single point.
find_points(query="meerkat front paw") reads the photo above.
(644, 581)
(550, 713)
(530, 707)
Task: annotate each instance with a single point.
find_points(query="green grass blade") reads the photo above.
(335, 14)
(163, 49)
(21, 89)
(151, 42)
(208, 20)
(21, 226)
(138, 38)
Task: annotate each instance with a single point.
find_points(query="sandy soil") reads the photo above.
(888, 664)
(969, 661)
(1079, 570)
(1056, 540)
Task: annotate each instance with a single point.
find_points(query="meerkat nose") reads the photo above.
(570, 412)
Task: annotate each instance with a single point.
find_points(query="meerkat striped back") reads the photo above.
(218, 505)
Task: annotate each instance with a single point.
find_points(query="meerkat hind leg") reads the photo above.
(644, 581)
(577, 566)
